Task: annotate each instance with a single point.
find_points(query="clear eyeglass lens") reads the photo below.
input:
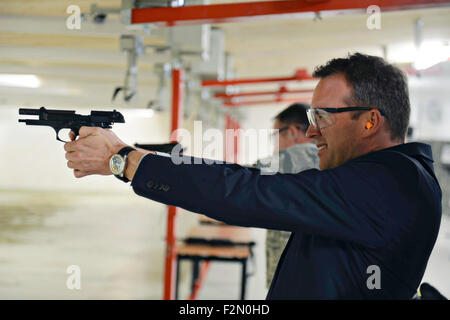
(320, 118)
(312, 121)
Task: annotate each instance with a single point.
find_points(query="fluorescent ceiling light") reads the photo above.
(431, 53)
(19, 80)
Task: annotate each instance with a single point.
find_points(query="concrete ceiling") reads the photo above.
(75, 63)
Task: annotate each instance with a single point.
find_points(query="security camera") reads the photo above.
(100, 18)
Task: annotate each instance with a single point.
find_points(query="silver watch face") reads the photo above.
(117, 164)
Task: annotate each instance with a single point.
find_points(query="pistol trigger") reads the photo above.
(76, 131)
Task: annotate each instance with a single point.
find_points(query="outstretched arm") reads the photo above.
(333, 203)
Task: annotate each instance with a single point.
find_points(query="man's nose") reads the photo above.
(312, 131)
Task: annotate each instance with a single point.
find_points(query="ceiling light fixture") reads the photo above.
(19, 80)
(431, 53)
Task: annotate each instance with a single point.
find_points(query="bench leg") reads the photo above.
(177, 278)
(244, 278)
(203, 270)
(195, 269)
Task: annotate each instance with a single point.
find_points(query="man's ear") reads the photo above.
(371, 122)
(292, 131)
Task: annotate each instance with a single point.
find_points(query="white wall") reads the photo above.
(430, 103)
(259, 117)
(438, 266)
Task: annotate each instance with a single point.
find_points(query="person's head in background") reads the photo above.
(292, 124)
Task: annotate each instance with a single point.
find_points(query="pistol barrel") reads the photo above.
(33, 112)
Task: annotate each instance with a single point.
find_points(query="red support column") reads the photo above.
(237, 138)
(177, 118)
(227, 152)
(231, 145)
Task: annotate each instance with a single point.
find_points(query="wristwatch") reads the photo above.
(118, 162)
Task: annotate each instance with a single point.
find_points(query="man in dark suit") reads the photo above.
(363, 226)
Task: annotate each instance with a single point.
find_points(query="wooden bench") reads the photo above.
(205, 243)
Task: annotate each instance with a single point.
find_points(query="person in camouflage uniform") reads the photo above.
(295, 153)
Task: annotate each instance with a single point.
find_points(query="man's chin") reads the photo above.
(328, 164)
(323, 158)
(322, 164)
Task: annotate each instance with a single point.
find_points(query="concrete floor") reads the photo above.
(117, 240)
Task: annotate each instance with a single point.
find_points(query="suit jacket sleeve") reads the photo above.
(313, 201)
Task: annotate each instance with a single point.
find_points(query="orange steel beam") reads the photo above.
(280, 92)
(244, 11)
(299, 75)
(170, 259)
(256, 102)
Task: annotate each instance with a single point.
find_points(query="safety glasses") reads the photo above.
(321, 118)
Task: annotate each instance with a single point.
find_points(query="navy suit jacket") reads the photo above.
(382, 209)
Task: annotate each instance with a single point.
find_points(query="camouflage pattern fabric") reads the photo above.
(291, 160)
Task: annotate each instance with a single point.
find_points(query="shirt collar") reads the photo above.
(414, 149)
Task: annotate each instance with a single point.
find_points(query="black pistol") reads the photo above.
(63, 119)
